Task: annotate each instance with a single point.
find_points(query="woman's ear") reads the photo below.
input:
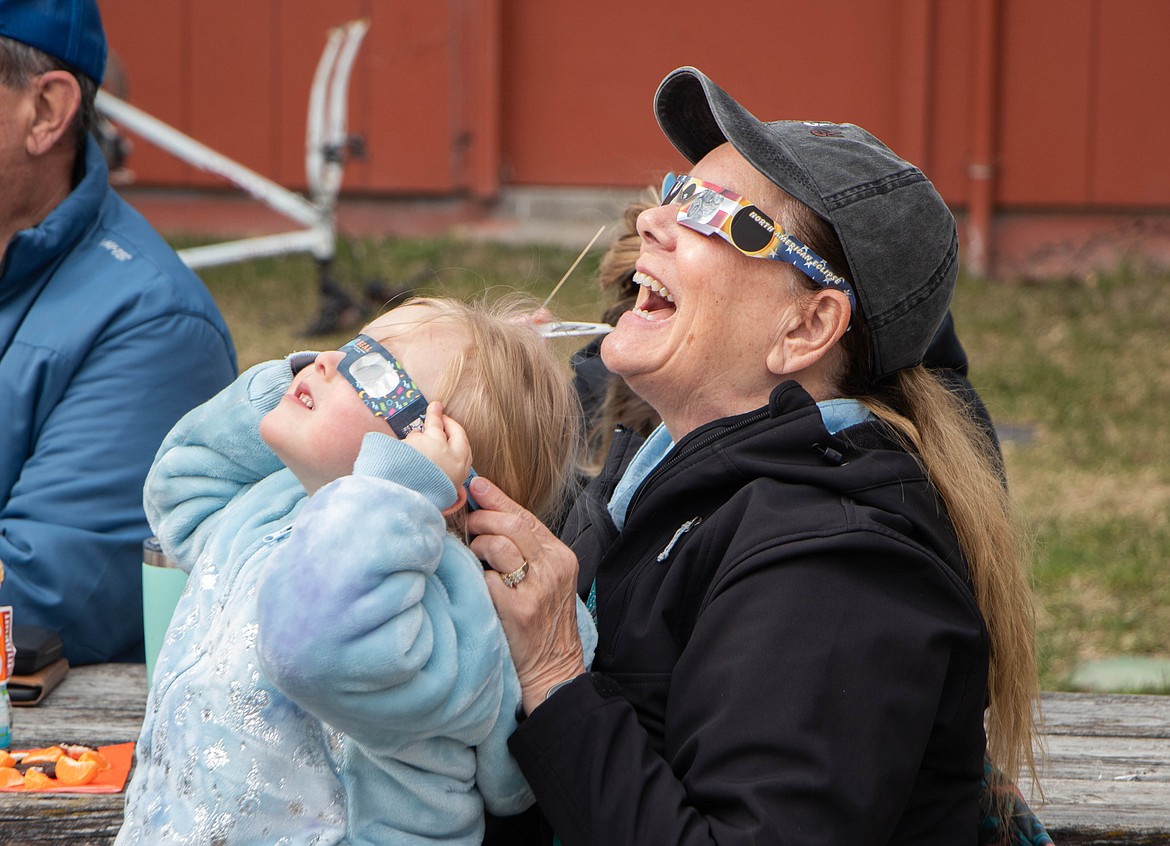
(811, 333)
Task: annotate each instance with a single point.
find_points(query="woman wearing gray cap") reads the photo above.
(808, 587)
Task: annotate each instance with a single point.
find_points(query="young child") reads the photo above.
(335, 671)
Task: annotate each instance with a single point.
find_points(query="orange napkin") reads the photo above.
(112, 780)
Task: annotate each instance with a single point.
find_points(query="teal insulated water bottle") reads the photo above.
(162, 585)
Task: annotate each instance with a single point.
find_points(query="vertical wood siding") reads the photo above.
(461, 96)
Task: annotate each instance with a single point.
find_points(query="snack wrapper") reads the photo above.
(7, 662)
(7, 648)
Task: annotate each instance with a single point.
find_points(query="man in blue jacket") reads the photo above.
(106, 339)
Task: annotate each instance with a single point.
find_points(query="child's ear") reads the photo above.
(460, 501)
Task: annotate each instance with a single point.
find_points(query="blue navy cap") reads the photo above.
(68, 30)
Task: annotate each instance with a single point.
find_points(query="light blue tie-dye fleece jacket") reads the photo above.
(335, 671)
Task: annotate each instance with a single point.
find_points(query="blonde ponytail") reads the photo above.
(962, 466)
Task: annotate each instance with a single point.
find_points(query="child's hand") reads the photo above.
(537, 318)
(444, 442)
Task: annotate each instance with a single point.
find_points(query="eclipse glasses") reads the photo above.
(387, 390)
(710, 209)
(383, 385)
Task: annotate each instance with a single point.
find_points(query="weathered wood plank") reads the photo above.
(73, 820)
(1106, 715)
(1107, 759)
(1115, 837)
(1105, 803)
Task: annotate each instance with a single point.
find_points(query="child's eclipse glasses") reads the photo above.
(383, 385)
(386, 389)
(712, 210)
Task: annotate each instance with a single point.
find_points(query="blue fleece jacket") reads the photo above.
(106, 339)
(335, 671)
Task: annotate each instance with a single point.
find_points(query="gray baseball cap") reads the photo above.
(898, 235)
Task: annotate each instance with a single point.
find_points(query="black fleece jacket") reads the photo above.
(790, 651)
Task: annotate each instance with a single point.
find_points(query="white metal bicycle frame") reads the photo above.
(326, 143)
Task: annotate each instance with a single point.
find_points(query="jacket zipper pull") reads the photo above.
(279, 534)
(682, 530)
(830, 455)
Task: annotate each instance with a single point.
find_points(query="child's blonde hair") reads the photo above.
(515, 400)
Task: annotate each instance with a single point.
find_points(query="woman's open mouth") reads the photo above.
(655, 302)
(302, 394)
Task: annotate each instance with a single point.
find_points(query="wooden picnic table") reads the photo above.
(1106, 777)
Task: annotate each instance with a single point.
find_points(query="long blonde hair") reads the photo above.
(954, 452)
(963, 465)
(515, 399)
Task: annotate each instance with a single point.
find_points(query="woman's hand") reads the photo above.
(539, 614)
(445, 443)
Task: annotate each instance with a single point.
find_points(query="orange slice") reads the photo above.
(72, 773)
(44, 755)
(36, 780)
(6, 760)
(97, 757)
(10, 777)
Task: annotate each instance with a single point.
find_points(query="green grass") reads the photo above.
(268, 303)
(1082, 367)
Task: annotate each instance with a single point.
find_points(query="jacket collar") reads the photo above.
(31, 250)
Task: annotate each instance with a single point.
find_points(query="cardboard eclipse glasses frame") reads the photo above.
(710, 209)
(387, 390)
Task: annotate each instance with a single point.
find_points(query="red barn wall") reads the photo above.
(463, 97)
